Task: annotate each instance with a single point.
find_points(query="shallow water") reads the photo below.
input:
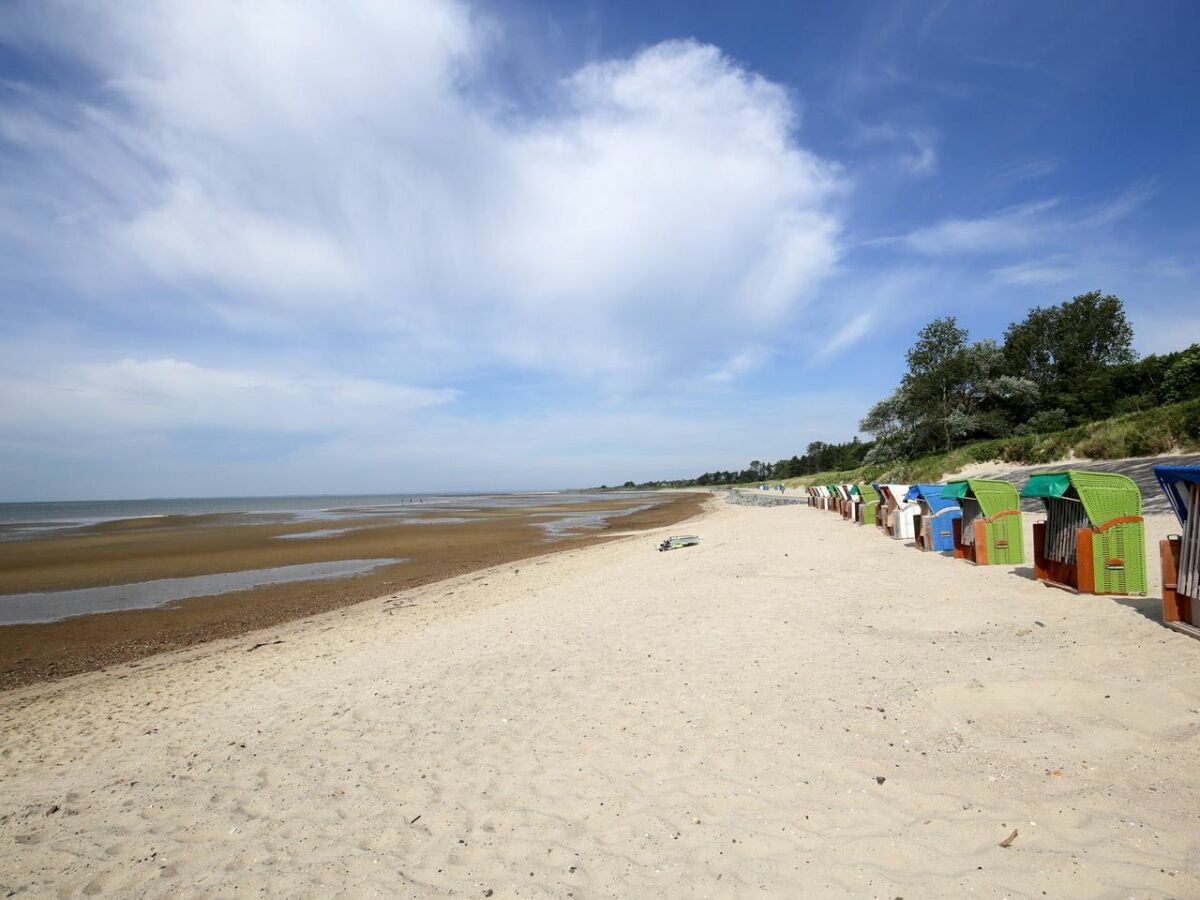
(569, 524)
(23, 521)
(50, 606)
(321, 533)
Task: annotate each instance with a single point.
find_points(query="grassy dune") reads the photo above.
(1168, 428)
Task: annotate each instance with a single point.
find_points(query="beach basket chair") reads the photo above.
(835, 498)
(1093, 539)
(899, 519)
(1180, 553)
(933, 527)
(851, 509)
(988, 533)
(886, 504)
(848, 501)
(881, 506)
(868, 503)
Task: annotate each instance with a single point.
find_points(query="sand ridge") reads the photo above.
(764, 714)
(431, 552)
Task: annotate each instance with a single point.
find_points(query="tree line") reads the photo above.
(1058, 367)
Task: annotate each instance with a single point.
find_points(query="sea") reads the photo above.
(21, 521)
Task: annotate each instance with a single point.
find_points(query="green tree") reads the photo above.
(1182, 379)
(953, 391)
(1069, 351)
(939, 367)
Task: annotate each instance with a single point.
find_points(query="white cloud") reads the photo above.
(1054, 270)
(158, 394)
(301, 162)
(846, 336)
(739, 364)
(1039, 225)
(1028, 169)
(1006, 230)
(923, 159)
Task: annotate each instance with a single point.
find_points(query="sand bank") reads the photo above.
(172, 547)
(798, 707)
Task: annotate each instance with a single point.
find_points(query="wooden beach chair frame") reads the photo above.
(1101, 542)
(881, 507)
(1179, 554)
(933, 530)
(993, 535)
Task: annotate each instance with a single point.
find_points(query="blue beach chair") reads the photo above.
(1180, 553)
(934, 524)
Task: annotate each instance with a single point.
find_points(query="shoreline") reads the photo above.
(744, 716)
(32, 653)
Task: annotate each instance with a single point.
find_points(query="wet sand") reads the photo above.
(145, 549)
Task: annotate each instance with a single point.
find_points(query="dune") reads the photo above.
(796, 707)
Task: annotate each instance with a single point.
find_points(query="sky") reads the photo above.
(299, 247)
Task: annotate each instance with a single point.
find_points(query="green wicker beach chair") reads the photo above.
(989, 533)
(1093, 539)
(868, 503)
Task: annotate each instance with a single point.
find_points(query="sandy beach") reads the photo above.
(797, 707)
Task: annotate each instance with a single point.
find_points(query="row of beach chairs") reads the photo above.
(1092, 539)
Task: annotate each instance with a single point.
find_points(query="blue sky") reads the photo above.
(285, 247)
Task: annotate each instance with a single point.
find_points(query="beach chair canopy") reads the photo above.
(1104, 495)
(1176, 482)
(868, 493)
(992, 496)
(932, 495)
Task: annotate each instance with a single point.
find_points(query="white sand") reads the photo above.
(619, 722)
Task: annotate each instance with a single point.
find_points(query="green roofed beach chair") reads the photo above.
(868, 502)
(851, 502)
(1093, 539)
(849, 499)
(989, 532)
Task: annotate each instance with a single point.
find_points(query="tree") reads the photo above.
(953, 391)
(1182, 379)
(934, 386)
(1068, 351)
(888, 421)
